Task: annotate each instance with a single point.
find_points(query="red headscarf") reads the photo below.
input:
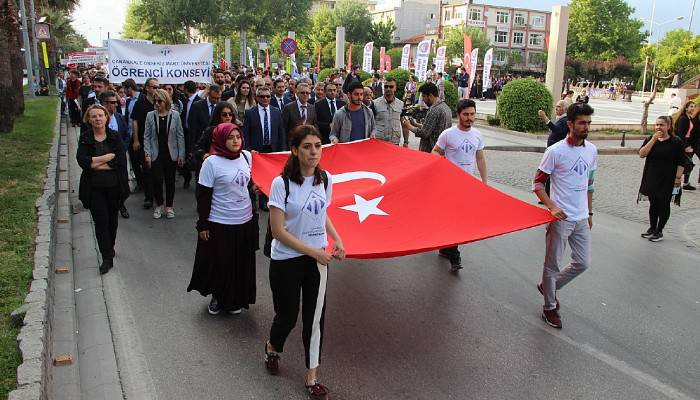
(218, 141)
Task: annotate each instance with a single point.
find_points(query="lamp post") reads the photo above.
(649, 42)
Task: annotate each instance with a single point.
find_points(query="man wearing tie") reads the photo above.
(191, 97)
(299, 112)
(325, 109)
(278, 97)
(200, 114)
(263, 131)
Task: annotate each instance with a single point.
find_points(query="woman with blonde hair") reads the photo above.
(164, 147)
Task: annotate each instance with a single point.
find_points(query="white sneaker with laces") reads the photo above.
(169, 213)
(157, 212)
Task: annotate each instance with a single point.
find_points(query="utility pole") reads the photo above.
(35, 45)
(692, 14)
(27, 49)
(646, 61)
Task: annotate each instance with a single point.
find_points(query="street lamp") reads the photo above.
(649, 42)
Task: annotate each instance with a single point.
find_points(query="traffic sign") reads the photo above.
(42, 31)
(289, 46)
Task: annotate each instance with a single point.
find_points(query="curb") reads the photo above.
(591, 136)
(32, 341)
(604, 151)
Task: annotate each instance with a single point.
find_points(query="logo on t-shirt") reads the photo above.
(241, 179)
(580, 166)
(314, 204)
(467, 146)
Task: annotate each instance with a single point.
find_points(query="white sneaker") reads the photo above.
(169, 213)
(236, 311)
(157, 212)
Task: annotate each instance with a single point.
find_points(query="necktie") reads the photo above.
(303, 114)
(266, 129)
(332, 107)
(211, 109)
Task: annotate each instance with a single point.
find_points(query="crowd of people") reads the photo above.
(213, 131)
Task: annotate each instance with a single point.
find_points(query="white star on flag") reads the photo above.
(365, 208)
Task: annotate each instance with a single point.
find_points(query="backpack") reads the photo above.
(267, 248)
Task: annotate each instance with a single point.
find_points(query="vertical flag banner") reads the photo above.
(170, 63)
(488, 60)
(250, 58)
(288, 65)
(46, 56)
(318, 60)
(267, 59)
(422, 59)
(387, 63)
(440, 59)
(475, 59)
(367, 57)
(382, 53)
(348, 66)
(467, 62)
(405, 54)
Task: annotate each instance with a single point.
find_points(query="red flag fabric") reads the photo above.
(391, 201)
(267, 59)
(348, 67)
(318, 60)
(222, 64)
(382, 52)
(467, 62)
(387, 63)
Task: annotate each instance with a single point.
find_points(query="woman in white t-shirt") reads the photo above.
(224, 264)
(299, 261)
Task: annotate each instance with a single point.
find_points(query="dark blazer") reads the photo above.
(324, 117)
(557, 131)
(86, 150)
(253, 130)
(288, 97)
(183, 117)
(276, 104)
(198, 121)
(123, 129)
(292, 118)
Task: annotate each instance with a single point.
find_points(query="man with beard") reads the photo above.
(388, 115)
(438, 118)
(355, 121)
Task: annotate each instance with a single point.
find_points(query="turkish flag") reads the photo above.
(391, 201)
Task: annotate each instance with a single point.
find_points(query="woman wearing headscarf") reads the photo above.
(661, 179)
(224, 112)
(164, 147)
(227, 228)
(103, 183)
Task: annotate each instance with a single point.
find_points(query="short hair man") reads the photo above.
(559, 128)
(142, 171)
(354, 76)
(291, 94)
(319, 92)
(200, 115)
(117, 123)
(438, 118)
(355, 121)
(367, 98)
(463, 84)
(463, 145)
(570, 165)
(299, 112)
(99, 85)
(376, 86)
(387, 114)
(278, 89)
(326, 109)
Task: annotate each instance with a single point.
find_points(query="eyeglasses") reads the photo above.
(112, 102)
(227, 114)
(304, 92)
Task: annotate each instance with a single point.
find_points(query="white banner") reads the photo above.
(137, 41)
(405, 54)
(168, 63)
(472, 74)
(440, 59)
(422, 55)
(367, 57)
(250, 58)
(488, 61)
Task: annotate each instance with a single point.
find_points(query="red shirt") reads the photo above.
(72, 89)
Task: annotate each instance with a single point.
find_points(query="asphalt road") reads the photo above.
(407, 328)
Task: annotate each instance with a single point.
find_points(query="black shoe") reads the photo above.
(688, 186)
(214, 307)
(147, 204)
(648, 233)
(656, 237)
(124, 212)
(106, 265)
(186, 185)
(456, 264)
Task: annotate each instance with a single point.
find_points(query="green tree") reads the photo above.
(321, 29)
(454, 40)
(134, 27)
(354, 16)
(677, 53)
(603, 29)
(381, 33)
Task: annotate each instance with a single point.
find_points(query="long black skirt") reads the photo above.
(224, 265)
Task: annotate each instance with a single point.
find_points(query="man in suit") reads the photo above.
(299, 112)
(117, 123)
(200, 113)
(291, 94)
(376, 86)
(319, 93)
(191, 97)
(99, 85)
(325, 108)
(264, 130)
(277, 100)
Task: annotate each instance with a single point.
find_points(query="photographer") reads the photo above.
(438, 119)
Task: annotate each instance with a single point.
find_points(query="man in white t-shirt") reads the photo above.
(463, 145)
(570, 166)
(674, 105)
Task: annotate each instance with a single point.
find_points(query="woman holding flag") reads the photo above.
(299, 199)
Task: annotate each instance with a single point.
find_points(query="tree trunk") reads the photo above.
(10, 92)
(645, 108)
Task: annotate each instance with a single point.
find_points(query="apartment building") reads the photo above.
(412, 17)
(509, 29)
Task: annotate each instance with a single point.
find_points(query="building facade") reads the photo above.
(519, 36)
(411, 17)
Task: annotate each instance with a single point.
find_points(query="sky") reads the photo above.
(90, 15)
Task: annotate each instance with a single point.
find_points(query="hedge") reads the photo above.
(519, 102)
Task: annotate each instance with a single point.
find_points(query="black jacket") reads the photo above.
(86, 150)
(324, 118)
(682, 127)
(253, 130)
(198, 121)
(558, 130)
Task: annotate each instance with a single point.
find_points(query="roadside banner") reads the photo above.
(475, 58)
(440, 59)
(405, 54)
(382, 53)
(171, 64)
(367, 57)
(422, 59)
(467, 62)
(488, 60)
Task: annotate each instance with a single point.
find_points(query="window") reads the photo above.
(518, 38)
(447, 15)
(534, 58)
(502, 17)
(475, 14)
(537, 21)
(501, 57)
(459, 15)
(500, 37)
(536, 39)
(519, 19)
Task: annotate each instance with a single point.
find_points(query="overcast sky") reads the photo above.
(91, 15)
